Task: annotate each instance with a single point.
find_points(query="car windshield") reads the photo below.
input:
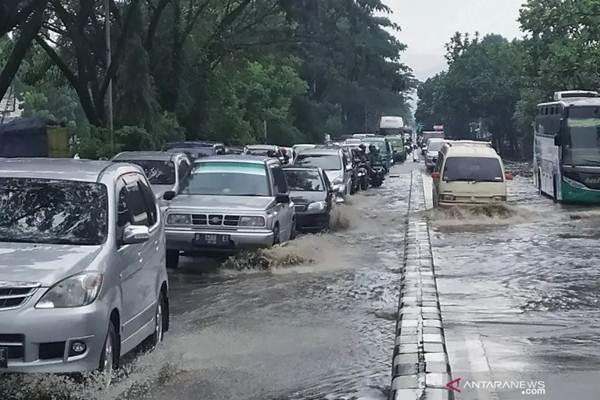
(261, 152)
(53, 211)
(472, 169)
(435, 146)
(328, 162)
(227, 179)
(158, 172)
(304, 181)
(583, 146)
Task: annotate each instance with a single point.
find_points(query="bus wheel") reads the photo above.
(554, 189)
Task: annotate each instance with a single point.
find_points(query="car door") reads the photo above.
(285, 210)
(346, 172)
(137, 274)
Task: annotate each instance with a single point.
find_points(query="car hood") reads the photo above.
(307, 197)
(334, 174)
(43, 263)
(231, 203)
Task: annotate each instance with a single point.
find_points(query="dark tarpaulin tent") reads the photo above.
(23, 137)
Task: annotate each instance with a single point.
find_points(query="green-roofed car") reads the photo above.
(228, 203)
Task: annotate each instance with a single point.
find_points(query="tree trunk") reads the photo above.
(23, 43)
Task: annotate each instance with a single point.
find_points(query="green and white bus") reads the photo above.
(566, 159)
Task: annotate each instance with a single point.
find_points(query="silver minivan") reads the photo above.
(82, 265)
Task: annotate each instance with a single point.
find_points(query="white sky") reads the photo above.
(428, 24)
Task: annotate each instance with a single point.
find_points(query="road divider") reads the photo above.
(420, 367)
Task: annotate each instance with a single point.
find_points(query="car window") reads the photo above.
(158, 172)
(279, 181)
(440, 162)
(329, 162)
(227, 179)
(473, 169)
(132, 206)
(304, 181)
(149, 202)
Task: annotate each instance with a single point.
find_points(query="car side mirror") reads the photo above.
(135, 234)
(282, 199)
(557, 140)
(169, 195)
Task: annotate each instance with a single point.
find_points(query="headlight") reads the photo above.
(499, 198)
(448, 197)
(317, 206)
(179, 219)
(252, 221)
(75, 291)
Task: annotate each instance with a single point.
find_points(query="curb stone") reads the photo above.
(420, 367)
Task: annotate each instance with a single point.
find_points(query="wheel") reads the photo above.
(172, 259)
(159, 324)
(276, 239)
(364, 183)
(109, 359)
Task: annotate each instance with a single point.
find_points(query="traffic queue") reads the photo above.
(89, 242)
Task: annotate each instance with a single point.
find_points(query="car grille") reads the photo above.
(14, 294)
(14, 344)
(216, 220)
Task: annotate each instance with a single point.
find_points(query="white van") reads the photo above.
(469, 172)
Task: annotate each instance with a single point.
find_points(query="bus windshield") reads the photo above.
(583, 144)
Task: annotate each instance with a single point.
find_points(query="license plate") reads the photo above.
(3, 357)
(212, 240)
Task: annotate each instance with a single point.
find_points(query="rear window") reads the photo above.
(158, 172)
(328, 162)
(472, 169)
(304, 181)
(435, 146)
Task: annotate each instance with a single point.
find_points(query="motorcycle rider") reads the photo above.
(374, 158)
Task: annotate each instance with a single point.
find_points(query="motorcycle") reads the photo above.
(377, 175)
(363, 176)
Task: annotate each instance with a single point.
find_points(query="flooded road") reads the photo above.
(518, 291)
(520, 294)
(322, 329)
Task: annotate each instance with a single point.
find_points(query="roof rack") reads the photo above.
(468, 143)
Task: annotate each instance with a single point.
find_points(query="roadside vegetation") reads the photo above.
(203, 69)
(492, 85)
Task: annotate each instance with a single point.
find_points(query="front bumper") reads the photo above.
(471, 201)
(35, 337)
(312, 221)
(183, 239)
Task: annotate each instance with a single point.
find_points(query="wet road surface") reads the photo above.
(321, 330)
(518, 291)
(520, 295)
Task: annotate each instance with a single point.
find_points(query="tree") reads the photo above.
(24, 19)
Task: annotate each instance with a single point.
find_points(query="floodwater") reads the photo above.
(519, 290)
(314, 319)
(318, 323)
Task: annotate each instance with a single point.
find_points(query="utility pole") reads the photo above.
(109, 91)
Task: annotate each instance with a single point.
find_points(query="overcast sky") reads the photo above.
(428, 24)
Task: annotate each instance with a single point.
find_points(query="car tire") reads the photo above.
(172, 259)
(160, 315)
(109, 359)
(276, 238)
